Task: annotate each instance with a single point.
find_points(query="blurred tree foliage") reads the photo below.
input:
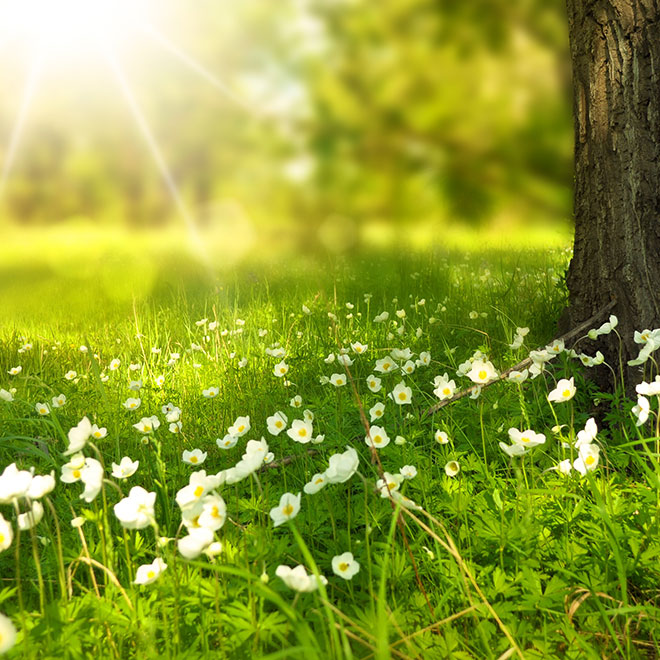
(387, 112)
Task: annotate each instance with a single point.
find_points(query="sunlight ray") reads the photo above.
(195, 66)
(157, 155)
(15, 137)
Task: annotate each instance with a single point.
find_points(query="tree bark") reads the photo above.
(615, 51)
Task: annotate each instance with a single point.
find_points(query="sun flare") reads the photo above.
(64, 27)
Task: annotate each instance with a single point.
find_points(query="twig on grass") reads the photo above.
(571, 334)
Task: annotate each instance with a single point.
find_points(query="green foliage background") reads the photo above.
(366, 118)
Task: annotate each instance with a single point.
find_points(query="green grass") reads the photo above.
(507, 558)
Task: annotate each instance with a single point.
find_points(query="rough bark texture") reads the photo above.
(615, 50)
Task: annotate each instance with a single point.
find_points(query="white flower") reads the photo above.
(385, 365)
(408, 367)
(641, 410)
(338, 380)
(315, 484)
(214, 512)
(587, 459)
(137, 510)
(382, 317)
(126, 468)
(175, 427)
(329, 359)
(527, 438)
(147, 424)
(286, 510)
(401, 394)
(482, 372)
(513, 450)
(227, 442)
(147, 573)
(408, 471)
(98, 433)
(359, 348)
(345, 566)
(344, 360)
(6, 537)
(41, 485)
(444, 388)
(649, 389)
(296, 402)
(298, 580)
(132, 404)
(114, 364)
(563, 467)
(401, 354)
(281, 369)
(390, 484)
(199, 485)
(58, 401)
(135, 385)
(197, 541)
(6, 396)
(564, 391)
(211, 392)
(42, 408)
(441, 437)
(377, 437)
(374, 383)
(14, 371)
(342, 466)
(424, 359)
(14, 484)
(376, 411)
(300, 431)
(194, 457)
(31, 518)
(240, 427)
(588, 434)
(71, 471)
(7, 634)
(452, 468)
(78, 436)
(92, 477)
(518, 376)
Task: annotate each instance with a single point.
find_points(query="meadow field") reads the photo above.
(271, 460)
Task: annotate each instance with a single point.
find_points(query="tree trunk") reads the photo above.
(615, 51)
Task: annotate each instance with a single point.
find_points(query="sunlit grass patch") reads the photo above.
(246, 463)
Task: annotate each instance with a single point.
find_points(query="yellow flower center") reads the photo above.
(2, 538)
(76, 474)
(391, 485)
(590, 460)
(482, 375)
(566, 394)
(215, 512)
(343, 566)
(319, 480)
(151, 575)
(524, 439)
(402, 396)
(446, 390)
(198, 491)
(193, 459)
(241, 428)
(378, 413)
(97, 434)
(287, 510)
(302, 432)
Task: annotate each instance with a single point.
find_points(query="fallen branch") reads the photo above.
(571, 334)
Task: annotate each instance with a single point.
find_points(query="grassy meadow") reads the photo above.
(546, 547)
